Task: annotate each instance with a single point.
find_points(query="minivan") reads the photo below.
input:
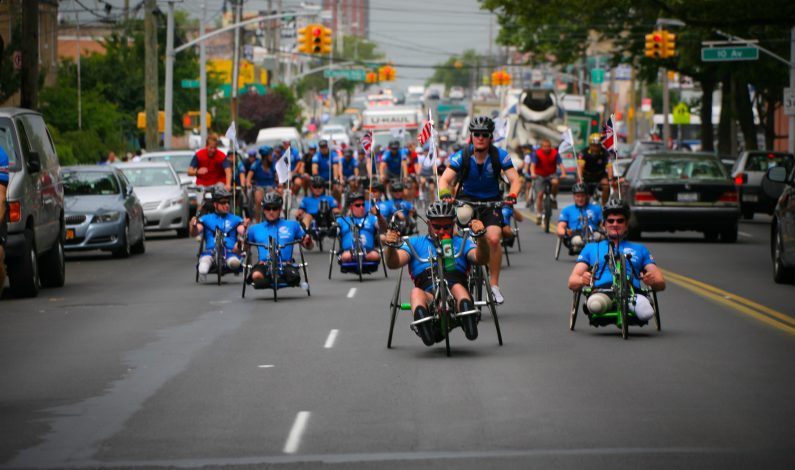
(34, 247)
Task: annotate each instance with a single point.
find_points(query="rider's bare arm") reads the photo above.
(563, 229)
(652, 276)
(580, 276)
(394, 257)
(514, 180)
(447, 179)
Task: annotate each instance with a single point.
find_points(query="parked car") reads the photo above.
(180, 160)
(681, 191)
(102, 211)
(35, 243)
(779, 180)
(164, 200)
(748, 171)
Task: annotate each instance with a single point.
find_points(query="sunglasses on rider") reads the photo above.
(223, 201)
(614, 220)
(358, 204)
(484, 135)
(272, 208)
(441, 226)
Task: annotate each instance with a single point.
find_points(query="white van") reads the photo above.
(274, 136)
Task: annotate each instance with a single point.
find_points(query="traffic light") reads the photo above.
(314, 39)
(371, 77)
(500, 77)
(325, 40)
(669, 44)
(305, 40)
(389, 72)
(655, 45)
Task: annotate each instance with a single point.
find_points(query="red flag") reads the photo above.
(425, 134)
(608, 136)
(367, 141)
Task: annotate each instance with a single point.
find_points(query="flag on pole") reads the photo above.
(566, 142)
(283, 166)
(425, 133)
(367, 141)
(500, 129)
(608, 136)
(231, 134)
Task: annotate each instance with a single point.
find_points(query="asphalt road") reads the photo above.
(132, 364)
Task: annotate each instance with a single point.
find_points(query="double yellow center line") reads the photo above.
(749, 307)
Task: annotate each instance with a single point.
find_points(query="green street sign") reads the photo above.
(349, 74)
(729, 54)
(597, 76)
(190, 83)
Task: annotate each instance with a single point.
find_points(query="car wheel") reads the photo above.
(124, 249)
(782, 274)
(140, 247)
(23, 273)
(748, 214)
(729, 234)
(52, 266)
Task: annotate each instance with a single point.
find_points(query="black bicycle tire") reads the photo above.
(575, 305)
(219, 259)
(303, 268)
(623, 300)
(331, 256)
(507, 257)
(492, 303)
(547, 211)
(274, 269)
(394, 306)
(245, 280)
(657, 322)
(516, 234)
(558, 242)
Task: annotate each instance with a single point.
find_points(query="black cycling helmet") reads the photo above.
(397, 186)
(481, 124)
(378, 186)
(323, 143)
(355, 196)
(616, 206)
(578, 188)
(348, 152)
(221, 193)
(317, 182)
(440, 210)
(394, 145)
(272, 199)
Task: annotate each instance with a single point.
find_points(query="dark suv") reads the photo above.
(34, 249)
(779, 184)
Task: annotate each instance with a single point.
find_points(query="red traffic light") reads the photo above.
(317, 32)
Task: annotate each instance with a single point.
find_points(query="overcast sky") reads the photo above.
(414, 34)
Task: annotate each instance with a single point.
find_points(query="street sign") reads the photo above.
(729, 54)
(789, 101)
(349, 74)
(189, 83)
(597, 76)
(681, 114)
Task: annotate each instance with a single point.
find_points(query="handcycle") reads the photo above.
(586, 232)
(218, 255)
(442, 308)
(275, 267)
(622, 292)
(509, 242)
(358, 265)
(322, 224)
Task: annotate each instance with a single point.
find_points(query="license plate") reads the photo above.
(70, 234)
(750, 198)
(687, 197)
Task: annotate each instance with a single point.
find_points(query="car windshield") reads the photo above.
(141, 177)
(765, 161)
(179, 162)
(7, 145)
(89, 183)
(681, 168)
(276, 143)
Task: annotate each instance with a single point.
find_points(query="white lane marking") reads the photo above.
(332, 336)
(744, 234)
(265, 366)
(351, 292)
(294, 439)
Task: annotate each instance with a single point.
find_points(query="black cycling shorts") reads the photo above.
(290, 274)
(425, 282)
(593, 177)
(490, 216)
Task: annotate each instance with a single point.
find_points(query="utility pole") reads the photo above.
(79, 85)
(29, 92)
(666, 108)
(791, 127)
(236, 60)
(203, 78)
(150, 75)
(169, 75)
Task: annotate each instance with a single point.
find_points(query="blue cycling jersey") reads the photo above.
(3, 167)
(284, 231)
(571, 215)
(595, 253)
(368, 224)
(324, 163)
(507, 214)
(264, 175)
(385, 208)
(311, 204)
(480, 183)
(401, 205)
(394, 160)
(227, 223)
(348, 166)
(423, 245)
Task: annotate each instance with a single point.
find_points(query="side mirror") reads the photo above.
(34, 162)
(129, 190)
(185, 180)
(774, 181)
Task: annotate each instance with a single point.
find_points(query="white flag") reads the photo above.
(566, 143)
(283, 166)
(397, 132)
(500, 129)
(230, 133)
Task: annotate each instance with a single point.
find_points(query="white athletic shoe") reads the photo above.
(497, 295)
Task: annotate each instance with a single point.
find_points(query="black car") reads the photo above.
(681, 191)
(782, 228)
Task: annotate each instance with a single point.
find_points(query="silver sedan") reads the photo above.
(164, 199)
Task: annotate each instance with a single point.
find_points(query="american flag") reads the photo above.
(367, 141)
(608, 136)
(425, 134)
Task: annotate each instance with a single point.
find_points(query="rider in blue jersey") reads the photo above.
(263, 173)
(643, 266)
(441, 225)
(570, 222)
(508, 214)
(231, 225)
(479, 180)
(310, 205)
(324, 161)
(385, 206)
(368, 223)
(394, 162)
(405, 210)
(284, 231)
